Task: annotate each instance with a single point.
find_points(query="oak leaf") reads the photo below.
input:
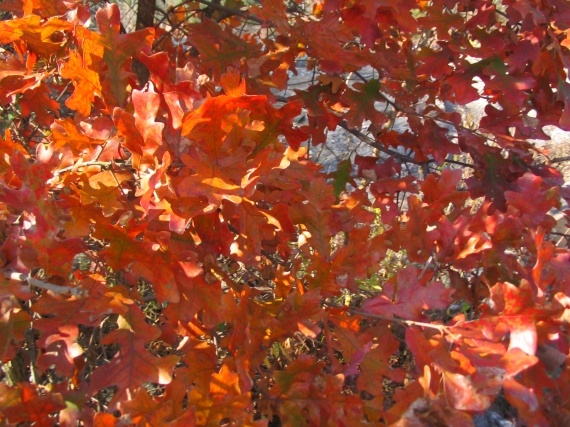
(86, 81)
(26, 404)
(408, 295)
(362, 103)
(118, 49)
(13, 325)
(43, 38)
(133, 365)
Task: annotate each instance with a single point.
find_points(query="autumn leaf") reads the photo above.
(279, 122)
(274, 12)
(409, 295)
(516, 313)
(86, 82)
(118, 49)
(440, 191)
(504, 84)
(65, 133)
(145, 410)
(104, 188)
(38, 101)
(362, 102)
(415, 237)
(531, 188)
(181, 253)
(342, 177)
(295, 387)
(25, 403)
(210, 181)
(13, 325)
(138, 256)
(142, 134)
(211, 116)
(375, 365)
(219, 48)
(146, 106)
(41, 37)
(133, 364)
(224, 399)
(463, 394)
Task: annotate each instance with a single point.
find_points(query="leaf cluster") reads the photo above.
(173, 253)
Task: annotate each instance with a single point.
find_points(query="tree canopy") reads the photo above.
(174, 254)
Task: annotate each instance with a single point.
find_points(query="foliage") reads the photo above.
(172, 255)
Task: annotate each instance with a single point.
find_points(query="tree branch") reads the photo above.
(372, 143)
(80, 165)
(58, 289)
(560, 159)
(441, 328)
(225, 9)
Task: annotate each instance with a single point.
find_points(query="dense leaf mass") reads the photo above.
(173, 253)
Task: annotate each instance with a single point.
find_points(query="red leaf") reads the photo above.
(224, 400)
(13, 325)
(26, 404)
(143, 259)
(274, 12)
(409, 295)
(376, 365)
(118, 48)
(440, 191)
(146, 410)
(362, 104)
(415, 237)
(514, 313)
(533, 200)
(133, 365)
(219, 48)
(463, 394)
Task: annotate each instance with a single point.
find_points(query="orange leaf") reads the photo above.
(232, 83)
(133, 365)
(85, 81)
(40, 36)
(24, 404)
(103, 188)
(103, 419)
(65, 133)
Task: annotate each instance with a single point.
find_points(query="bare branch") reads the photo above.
(81, 165)
(560, 159)
(58, 289)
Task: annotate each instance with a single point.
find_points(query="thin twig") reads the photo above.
(32, 352)
(372, 143)
(555, 233)
(228, 10)
(63, 91)
(58, 289)
(369, 141)
(436, 119)
(441, 328)
(402, 157)
(80, 165)
(560, 159)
